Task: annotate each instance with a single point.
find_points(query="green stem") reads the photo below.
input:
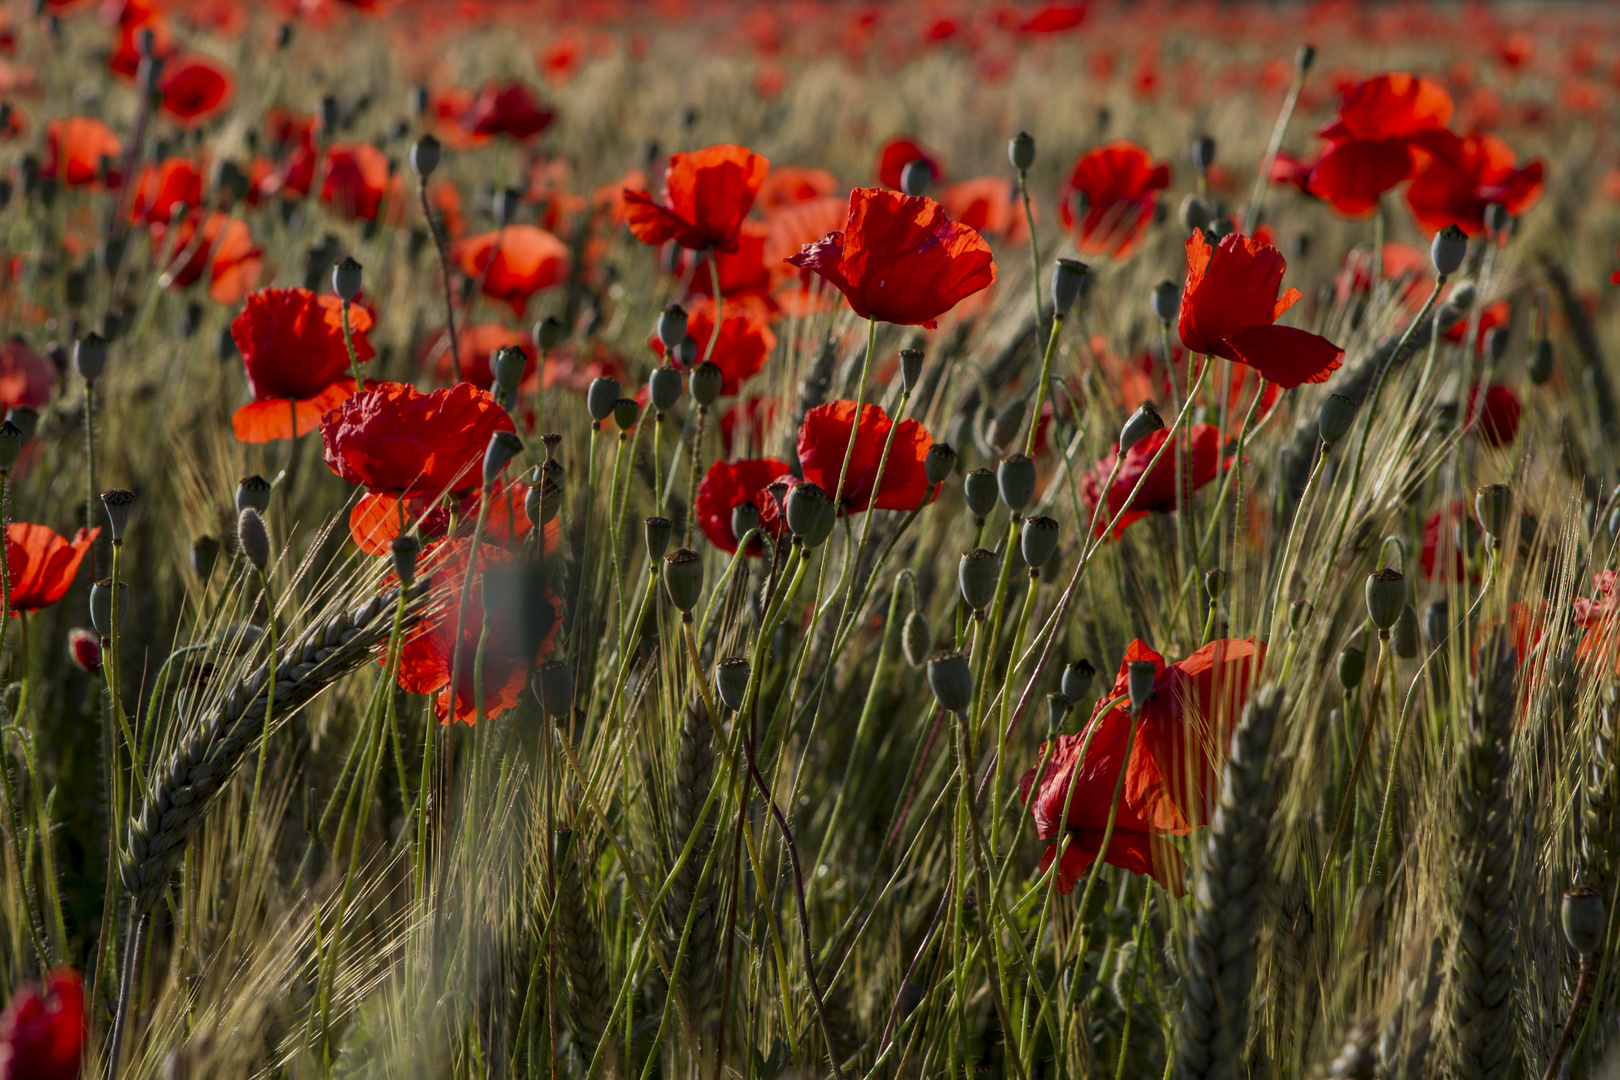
(1046, 372)
(354, 360)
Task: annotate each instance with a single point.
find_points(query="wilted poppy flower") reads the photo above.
(159, 189)
(824, 442)
(393, 438)
(42, 564)
(989, 205)
(74, 149)
(1229, 307)
(477, 344)
(224, 251)
(1464, 176)
(1158, 494)
(745, 340)
(292, 347)
(786, 185)
(1497, 416)
(1108, 198)
(355, 179)
(194, 90)
(899, 152)
(900, 259)
(726, 486)
(43, 1031)
(1382, 125)
(26, 378)
(506, 109)
(513, 263)
(707, 194)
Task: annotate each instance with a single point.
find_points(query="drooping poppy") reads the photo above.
(745, 340)
(726, 486)
(394, 438)
(509, 109)
(477, 345)
(788, 185)
(1382, 126)
(1496, 418)
(26, 378)
(42, 563)
(1108, 198)
(901, 151)
(989, 205)
(513, 263)
(297, 363)
(707, 194)
(43, 1030)
(1466, 176)
(824, 443)
(1158, 494)
(195, 90)
(355, 180)
(161, 188)
(75, 147)
(223, 249)
(900, 259)
(1230, 305)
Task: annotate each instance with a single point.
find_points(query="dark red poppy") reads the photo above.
(1108, 198)
(393, 438)
(1230, 305)
(26, 378)
(292, 347)
(513, 263)
(1158, 494)
(1497, 417)
(224, 252)
(745, 342)
(824, 442)
(43, 1030)
(1383, 125)
(1053, 19)
(1442, 541)
(195, 89)
(75, 148)
(901, 151)
(1464, 176)
(507, 109)
(159, 189)
(355, 180)
(747, 424)
(742, 272)
(900, 259)
(707, 194)
(84, 646)
(477, 344)
(42, 564)
(729, 484)
(788, 185)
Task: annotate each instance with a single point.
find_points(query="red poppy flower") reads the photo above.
(1497, 417)
(26, 378)
(989, 205)
(225, 251)
(43, 1032)
(513, 263)
(355, 179)
(1464, 177)
(1158, 494)
(900, 259)
(74, 149)
(742, 272)
(292, 347)
(1599, 616)
(506, 109)
(707, 194)
(477, 344)
(84, 646)
(394, 438)
(729, 484)
(747, 424)
(43, 564)
(1382, 125)
(1230, 305)
(195, 90)
(1109, 196)
(745, 342)
(1441, 540)
(787, 185)
(824, 442)
(899, 152)
(790, 228)
(377, 517)
(1053, 19)
(159, 189)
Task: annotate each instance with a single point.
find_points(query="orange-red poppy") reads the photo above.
(824, 443)
(1383, 125)
(788, 185)
(1158, 494)
(355, 180)
(726, 486)
(477, 344)
(513, 263)
(741, 272)
(1108, 198)
(989, 205)
(1464, 176)
(292, 347)
(160, 188)
(223, 249)
(707, 194)
(75, 148)
(26, 378)
(42, 564)
(43, 1030)
(394, 438)
(509, 109)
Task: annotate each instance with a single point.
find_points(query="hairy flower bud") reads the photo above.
(916, 639)
(253, 538)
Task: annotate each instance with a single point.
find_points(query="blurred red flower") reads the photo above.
(744, 344)
(26, 378)
(729, 484)
(513, 263)
(84, 646)
(899, 152)
(788, 229)
(1382, 126)
(225, 252)
(195, 89)
(292, 348)
(1442, 539)
(74, 149)
(355, 180)
(160, 188)
(393, 438)
(989, 205)
(742, 272)
(506, 109)
(707, 194)
(1158, 494)
(786, 185)
(1497, 417)
(1464, 177)
(1108, 198)
(42, 564)
(1053, 19)
(43, 1030)
(824, 442)
(478, 344)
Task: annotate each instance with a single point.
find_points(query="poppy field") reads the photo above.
(701, 539)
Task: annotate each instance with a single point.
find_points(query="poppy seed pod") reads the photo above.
(810, 514)
(1004, 428)
(916, 639)
(11, 444)
(1541, 362)
(503, 447)
(253, 538)
(1386, 598)
(1015, 480)
(1493, 505)
(1496, 218)
(744, 517)
(1203, 154)
(1404, 637)
(1304, 57)
(404, 549)
(1352, 666)
(1057, 708)
(911, 361)
(916, 176)
(683, 578)
(1038, 541)
(1021, 151)
(977, 573)
(685, 355)
(705, 383)
(101, 594)
(425, 154)
(1338, 414)
(672, 326)
(1068, 281)
(346, 279)
(26, 419)
(1448, 249)
(1142, 423)
(554, 689)
(731, 681)
(547, 334)
(204, 554)
(544, 498)
(119, 502)
(1299, 611)
(1139, 680)
(1194, 214)
(1076, 679)
(90, 356)
(253, 491)
(1165, 300)
(980, 489)
(224, 345)
(601, 396)
(1585, 922)
(938, 463)
(1436, 623)
(505, 205)
(626, 411)
(664, 388)
(507, 365)
(1215, 583)
(1496, 344)
(951, 680)
(656, 531)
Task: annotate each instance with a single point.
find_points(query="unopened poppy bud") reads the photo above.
(554, 688)
(505, 206)
(672, 326)
(951, 680)
(601, 396)
(1203, 154)
(1338, 414)
(916, 176)
(547, 334)
(1352, 666)
(1541, 362)
(284, 33)
(1142, 423)
(1493, 504)
(404, 549)
(119, 502)
(1015, 479)
(938, 463)
(626, 411)
(744, 517)
(1496, 344)
(204, 554)
(508, 365)
(503, 447)
(1585, 923)
(253, 538)
(1448, 249)
(916, 639)
(11, 444)
(977, 573)
(1165, 300)
(1139, 679)
(664, 388)
(1299, 612)
(1496, 218)
(1076, 679)
(346, 279)
(705, 383)
(327, 115)
(101, 599)
(1304, 57)
(683, 578)
(1021, 151)
(980, 489)
(1194, 214)
(1038, 541)
(90, 356)
(425, 154)
(1057, 709)
(810, 514)
(1215, 583)
(1404, 637)
(1068, 281)
(85, 649)
(731, 681)
(911, 362)
(1003, 430)
(26, 419)
(1386, 598)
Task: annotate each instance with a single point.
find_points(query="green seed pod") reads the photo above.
(119, 502)
(545, 497)
(26, 419)
(90, 356)
(916, 639)
(731, 680)
(705, 383)
(683, 578)
(1057, 708)
(225, 345)
(101, 594)
(977, 573)
(1021, 151)
(1068, 282)
(744, 516)
(601, 396)
(1142, 423)
(916, 176)
(253, 491)
(911, 362)
(1496, 344)
(548, 334)
(951, 680)
(1338, 413)
(672, 326)
(1203, 154)
(554, 689)
(1006, 425)
(1541, 362)
(1299, 613)
(626, 411)
(508, 365)
(1496, 218)
(657, 531)
(1448, 249)
(1215, 583)
(1076, 680)
(503, 447)
(938, 463)
(204, 554)
(1436, 623)
(425, 154)
(1493, 508)
(1386, 597)
(1352, 666)
(11, 444)
(1015, 480)
(1404, 638)
(1038, 541)
(405, 549)
(980, 489)
(1194, 214)
(664, 388)
(1165, 301)
(1139, 678)
(810, 514)
(1585, 923)
(346, 279)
